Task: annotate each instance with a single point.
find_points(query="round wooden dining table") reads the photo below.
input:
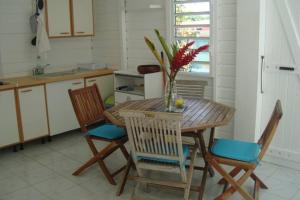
(198, 116)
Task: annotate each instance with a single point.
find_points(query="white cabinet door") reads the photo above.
(33, 112)
(105, 85)
(58, 18)
(9, 133)
(62, 117)
(121, 97)
(83, 17)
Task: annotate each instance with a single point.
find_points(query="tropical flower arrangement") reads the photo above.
(178, 56)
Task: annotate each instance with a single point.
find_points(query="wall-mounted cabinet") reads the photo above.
(67, 18)
(82, 16)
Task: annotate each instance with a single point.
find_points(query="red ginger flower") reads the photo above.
(183, 57)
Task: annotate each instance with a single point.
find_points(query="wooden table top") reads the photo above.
(200, 114)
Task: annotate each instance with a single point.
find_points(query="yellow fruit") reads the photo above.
(179, 103)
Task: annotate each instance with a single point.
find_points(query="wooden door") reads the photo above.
(83, 17)
(58, 18)
(61, 113)
(33, 112)
(9, 133)
(278, 82)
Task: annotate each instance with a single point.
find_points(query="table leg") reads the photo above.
(211, 142)
(201, 144)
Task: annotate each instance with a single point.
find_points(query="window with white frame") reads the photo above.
(192, 20)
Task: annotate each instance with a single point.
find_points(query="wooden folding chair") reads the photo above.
(89, 108)
(155, 141)
(244, 156)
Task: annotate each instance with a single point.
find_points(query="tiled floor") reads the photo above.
(43, 172)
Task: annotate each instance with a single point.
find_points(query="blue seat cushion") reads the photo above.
(107, 131)
(185, 150)
(236, 150)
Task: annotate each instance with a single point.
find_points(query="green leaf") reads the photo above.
(156, 54)
(165, 46)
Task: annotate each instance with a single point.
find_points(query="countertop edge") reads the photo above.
(29, 81)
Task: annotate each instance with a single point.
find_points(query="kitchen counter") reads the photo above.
(28, 81)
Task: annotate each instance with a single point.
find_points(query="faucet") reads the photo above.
(39, 69)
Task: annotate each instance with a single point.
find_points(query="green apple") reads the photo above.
(179, 103)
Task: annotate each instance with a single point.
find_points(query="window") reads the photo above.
(192, 20)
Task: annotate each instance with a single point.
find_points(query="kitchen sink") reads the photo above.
(61, 73)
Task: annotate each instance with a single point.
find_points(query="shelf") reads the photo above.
(134, 92)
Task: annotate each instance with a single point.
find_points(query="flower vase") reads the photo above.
(170, 96)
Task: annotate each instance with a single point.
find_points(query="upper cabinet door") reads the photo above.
(83, 17)
(58, 18)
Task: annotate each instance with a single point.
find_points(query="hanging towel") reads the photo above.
(43, 44)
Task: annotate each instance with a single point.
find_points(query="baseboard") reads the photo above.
(283, 158)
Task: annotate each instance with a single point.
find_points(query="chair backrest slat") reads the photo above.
(270, 130)
(191, 88)
(153, 133)
(88, 105)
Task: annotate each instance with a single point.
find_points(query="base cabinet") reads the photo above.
(105, 85)
(62, 117)
(9, 133)
(33, 112)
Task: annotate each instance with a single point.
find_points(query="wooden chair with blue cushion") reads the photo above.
(156, 145)
(243, 156)
(88, 106)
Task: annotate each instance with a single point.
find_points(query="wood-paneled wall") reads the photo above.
(225, 52)
(107, 41)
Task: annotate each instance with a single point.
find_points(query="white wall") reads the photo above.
(107, 41)
(17, 54)
(225, 54)
(247, 72)
(140, 22)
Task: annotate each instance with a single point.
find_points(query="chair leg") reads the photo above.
(190, 175)
(235, 185)
(124, 151)
(256, 189)
(125, 176)
(255, 178)
(233, 173)
(98, 157)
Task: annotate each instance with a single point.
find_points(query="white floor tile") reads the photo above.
(296, 196)
(74, 193)
(44, 172)
(54, 185)
(11, 184)
(28, 193)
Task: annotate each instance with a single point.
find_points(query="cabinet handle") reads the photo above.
(64, 33)
(80, 32)
(91, 81)
(77, 83)
(26, 91)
